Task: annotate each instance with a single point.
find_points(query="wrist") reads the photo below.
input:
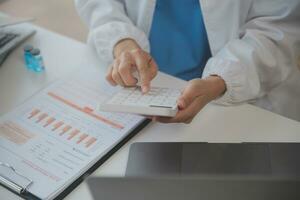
(124, 45)
(217, 86)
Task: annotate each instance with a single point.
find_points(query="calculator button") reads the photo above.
(156, 97)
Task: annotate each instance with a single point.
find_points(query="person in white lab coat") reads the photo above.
(230, 51)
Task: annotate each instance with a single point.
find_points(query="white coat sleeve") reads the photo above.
(108, 24)
(262, 57)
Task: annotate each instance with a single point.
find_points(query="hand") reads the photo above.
(194, 97)
(129, 57)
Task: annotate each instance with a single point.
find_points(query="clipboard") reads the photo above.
(18, 183)
(14, 181)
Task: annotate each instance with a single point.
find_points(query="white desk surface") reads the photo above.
(244, 123)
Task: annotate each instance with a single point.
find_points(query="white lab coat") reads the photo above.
(254, 43)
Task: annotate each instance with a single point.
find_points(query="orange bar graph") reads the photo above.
(65, 129)
(41, 117)
(91, 141)
(33, 113)
(57, 125)
(49, 121)
(81, 138)
(86, 110)
(73, 133)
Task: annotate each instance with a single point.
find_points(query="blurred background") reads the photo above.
(57, 15)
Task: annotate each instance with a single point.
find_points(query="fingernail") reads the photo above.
(181, 104)
(145, 89)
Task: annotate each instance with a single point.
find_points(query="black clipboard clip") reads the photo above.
(13, 180)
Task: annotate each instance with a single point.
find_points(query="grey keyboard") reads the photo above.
(11, 37)
(6, 38)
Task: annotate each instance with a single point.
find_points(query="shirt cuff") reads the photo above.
(236, 77)
(105, 37)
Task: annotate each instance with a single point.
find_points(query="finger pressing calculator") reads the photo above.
(157, 102)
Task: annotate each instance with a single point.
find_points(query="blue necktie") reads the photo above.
(178, 38)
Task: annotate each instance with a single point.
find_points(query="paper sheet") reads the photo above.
(56, 135)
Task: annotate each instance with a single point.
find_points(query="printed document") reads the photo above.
(58, 134)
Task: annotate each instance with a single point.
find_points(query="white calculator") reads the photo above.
(157, 102)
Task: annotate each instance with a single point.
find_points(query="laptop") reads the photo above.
(195, 188)
(11, 35)
(207, 171)
(194, 158)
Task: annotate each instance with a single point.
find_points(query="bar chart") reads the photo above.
(60, 128)
(87, 110)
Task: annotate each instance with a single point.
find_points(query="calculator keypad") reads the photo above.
(160, 97)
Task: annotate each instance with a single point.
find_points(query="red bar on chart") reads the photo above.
(49, 121)
(33, 113)
(65, 129)
(82, 137)
(88, 109)
(73, 133)
(91, 141)
(57, 125)
(41, 117)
